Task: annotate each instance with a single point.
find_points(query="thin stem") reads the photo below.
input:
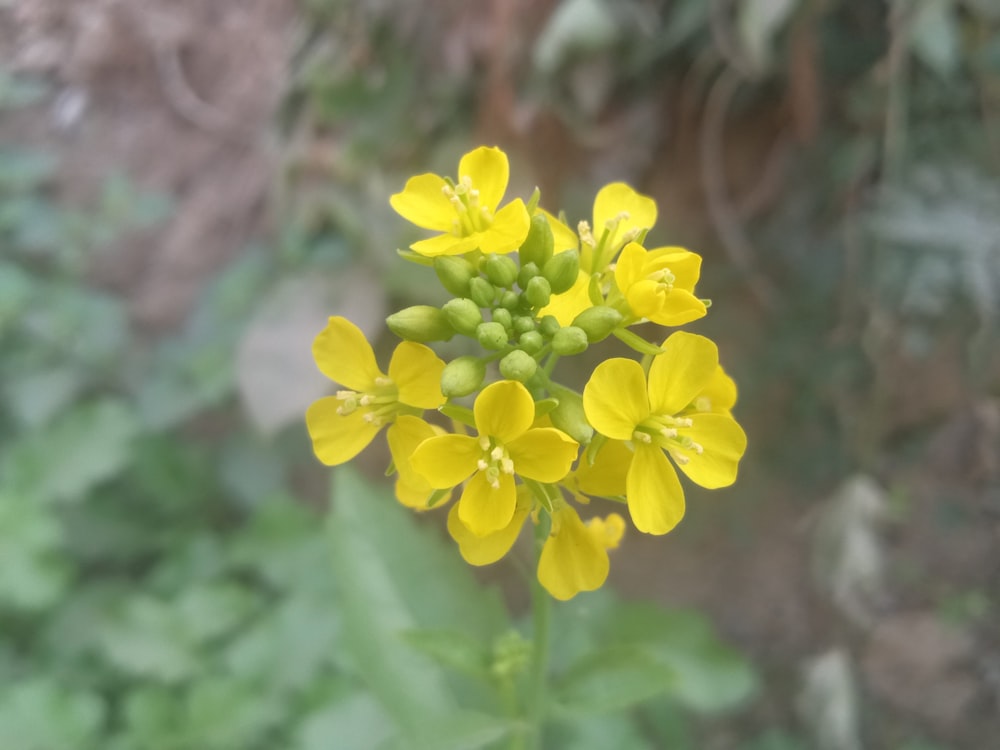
(541, 605)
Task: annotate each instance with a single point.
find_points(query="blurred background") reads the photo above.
(188, 190)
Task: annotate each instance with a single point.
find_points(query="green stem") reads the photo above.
(541, 605)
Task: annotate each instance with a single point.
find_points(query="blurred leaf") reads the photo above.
(36, 397)
(86, 446)
(393, 578)
(452, 649)
(934, 35)
(39, 714)
(18, 91)
(613, 679)
(32, 573)
(357, 722)
(601, 732)
(25, 170)
(79, 324)
(758, 24)
(250, 469)
(576, 27)
(16, 289)
(775, 739)
(221, 713)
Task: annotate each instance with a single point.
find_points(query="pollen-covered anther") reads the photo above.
(631, 235)
(366, 399)
(493, 477)
(679, 458)
(482, 465)
(586, 235)
(642, 437)
(507, 466)
(612, 224)
(497, 453)
(484, 442)
(382, 381)
(668, 432)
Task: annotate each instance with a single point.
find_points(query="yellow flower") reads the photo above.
(566, 306)
(659, 284)
(465, 211)
(575, 556)
(506, 445)
(606, 476)
(341, 426)
(403, 436)
(485, 550)
(620, 215)
(661, 417)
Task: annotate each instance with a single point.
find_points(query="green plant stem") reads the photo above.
(541, 605)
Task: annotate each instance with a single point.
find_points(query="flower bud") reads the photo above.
(492, 335)
(481, 291)
(531, 341)
(538, 292)
(598, 322)
(537, 246)
(548, 326)
(569, 416)
(562, 270)
(527, 273)
(463, 315)
(569, 340)
(524, 323)
(502, 316)
(462, 376)
(420, 323)
(518, 365)
(509, 300)
(501, 270)
(454, 273)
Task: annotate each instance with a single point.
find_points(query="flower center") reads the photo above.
(495, 460)
(666, 432)
(472, 215)
(380, 404)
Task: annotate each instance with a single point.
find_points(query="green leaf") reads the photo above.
(38, 396)
(613, 679)
(25, 170)
(39, 714)
(452, 649)
(934, 36)
(357, 722)
(33, 575)
(395, 577)
(601, 732)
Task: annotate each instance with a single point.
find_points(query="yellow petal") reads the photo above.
(509, 228)
(646, 298)
(655, 497)
(566, 306)
(606, 477)
(488, 549)
(615, 399)
(422, 203)
(445, 244)
(723, 444)
(563, 238)
(403, 436)
(485, 509)
(616, 198)
(573, 559)
(416, 371)
(678, 375)
(344, 355)
(544, 454)
(446, 460)
(679, 307)
(504, 410)
(718, 395)
(337, 439)
(608, 531)
(488, 169)
(683, 264)
(629, 269)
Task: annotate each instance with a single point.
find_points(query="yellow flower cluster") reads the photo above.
(530, 290)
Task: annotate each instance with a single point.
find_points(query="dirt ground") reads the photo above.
(181, 96)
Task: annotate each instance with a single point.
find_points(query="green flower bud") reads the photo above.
(548, 326)
(518, 365)
(420, 323)
(492, 336)
(527, 273)
(481, 291)
(569, 416)
(454, 273)
(598, 322)
(537, 246)
(524, 323)
(538, 292)
(569, 340)
(509, 300)
(531, 341)
(462, 376)
(562, 270)
(501, 270)
(463, 315)
(502, 316)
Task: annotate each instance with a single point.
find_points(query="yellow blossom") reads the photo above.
(659, 284)
(342, 425)
(465, 211)
(575, 556)
(507, 445)
(660, 417)
(403, 436)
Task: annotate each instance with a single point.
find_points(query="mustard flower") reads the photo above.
(507, 445)
(659, 284)
(660, 417)
(403, 436)
(342, 425)
(465, 211)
